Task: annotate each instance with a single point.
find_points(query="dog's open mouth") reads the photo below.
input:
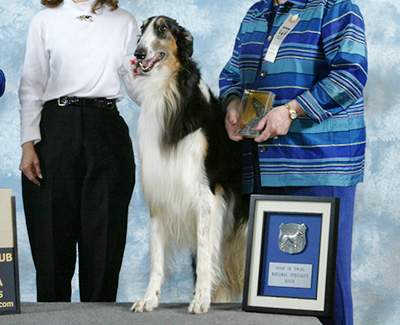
(147, 65)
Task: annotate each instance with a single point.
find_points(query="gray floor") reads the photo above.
(109, 313)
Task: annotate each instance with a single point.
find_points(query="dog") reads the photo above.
(190, 169)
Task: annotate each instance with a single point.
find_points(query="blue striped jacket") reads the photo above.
(322, 64)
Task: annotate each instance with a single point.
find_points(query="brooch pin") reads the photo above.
(85, 18)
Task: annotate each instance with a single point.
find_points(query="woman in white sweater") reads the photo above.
(77, 163)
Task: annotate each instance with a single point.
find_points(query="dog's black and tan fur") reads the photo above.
(190, 169)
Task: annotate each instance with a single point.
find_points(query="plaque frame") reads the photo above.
(266, 211)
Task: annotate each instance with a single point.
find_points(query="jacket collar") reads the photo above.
(298, 3)
(265, 6)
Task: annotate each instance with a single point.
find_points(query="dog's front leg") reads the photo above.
(204, 269)
(157, 253)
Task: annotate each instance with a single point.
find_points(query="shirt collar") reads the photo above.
(81, 6)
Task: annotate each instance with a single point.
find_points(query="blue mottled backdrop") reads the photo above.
(376, 249)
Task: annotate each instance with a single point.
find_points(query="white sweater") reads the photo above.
(66, 56)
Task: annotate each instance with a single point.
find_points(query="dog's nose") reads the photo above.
(141, 53)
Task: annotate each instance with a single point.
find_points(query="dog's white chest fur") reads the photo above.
(169, 177)
(173, 177)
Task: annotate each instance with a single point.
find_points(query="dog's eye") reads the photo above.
(163, 29)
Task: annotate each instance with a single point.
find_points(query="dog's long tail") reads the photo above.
(234, 259)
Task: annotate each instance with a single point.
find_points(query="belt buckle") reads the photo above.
(110, 104)
(63, 101)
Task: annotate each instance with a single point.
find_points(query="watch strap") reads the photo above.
(292, 112)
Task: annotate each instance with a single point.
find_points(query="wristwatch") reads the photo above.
(292, 112)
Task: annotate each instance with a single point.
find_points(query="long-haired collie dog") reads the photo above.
(190, 169)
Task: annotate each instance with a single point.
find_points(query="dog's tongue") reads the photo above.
(152, 61)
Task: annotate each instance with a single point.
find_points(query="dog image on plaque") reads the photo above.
(253, 107)
(292, 238)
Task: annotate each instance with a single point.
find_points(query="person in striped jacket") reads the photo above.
(312, 55)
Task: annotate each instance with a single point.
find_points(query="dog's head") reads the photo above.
(163, 42)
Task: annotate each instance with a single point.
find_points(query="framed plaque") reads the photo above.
(291, 255)
(9, 280)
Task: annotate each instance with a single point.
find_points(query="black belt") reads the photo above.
(79, 101)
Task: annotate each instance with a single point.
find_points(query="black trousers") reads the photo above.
(88, 169)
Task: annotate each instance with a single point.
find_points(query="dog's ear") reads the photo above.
(185, 43)
(145, 23)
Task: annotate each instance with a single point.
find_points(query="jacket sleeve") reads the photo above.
(229, 80)
(344, 45)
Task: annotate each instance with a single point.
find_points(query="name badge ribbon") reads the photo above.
(283, 31)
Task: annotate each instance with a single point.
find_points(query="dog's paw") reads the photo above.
(142, 305)
(199, 306)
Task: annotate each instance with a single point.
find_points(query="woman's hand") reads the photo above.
(231, 119)
(30, 164)
(277, 122)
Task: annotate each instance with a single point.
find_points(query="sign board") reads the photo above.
(9, 281)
